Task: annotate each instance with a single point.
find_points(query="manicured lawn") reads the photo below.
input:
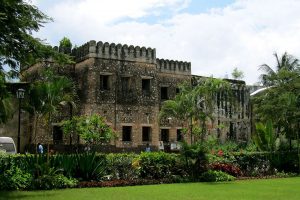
(288, 188)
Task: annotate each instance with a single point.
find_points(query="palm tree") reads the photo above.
(205, 94)
(286, 63)
(195, 105)
(182, 107)
(264, 137)
(46, 96)
(278, 102)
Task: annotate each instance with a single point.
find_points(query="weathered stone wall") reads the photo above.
(232, 115)
(127, 104)
(127, 85)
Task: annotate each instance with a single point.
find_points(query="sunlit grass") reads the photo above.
(288, 188)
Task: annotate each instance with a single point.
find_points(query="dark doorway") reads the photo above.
(164, 135)
(57, 135)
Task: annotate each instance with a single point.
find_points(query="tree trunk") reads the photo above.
(35, 132)
(48, 141)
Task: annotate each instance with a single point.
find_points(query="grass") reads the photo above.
(287, 188)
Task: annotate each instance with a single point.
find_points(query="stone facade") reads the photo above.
(127, 85)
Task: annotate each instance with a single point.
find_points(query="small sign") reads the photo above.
(173, 146)
(161, 145)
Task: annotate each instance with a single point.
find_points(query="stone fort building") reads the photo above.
(127, 85)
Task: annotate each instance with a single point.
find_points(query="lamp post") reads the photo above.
(20, 96)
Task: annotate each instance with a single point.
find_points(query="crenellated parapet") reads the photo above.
(171, 66)
(112, 51)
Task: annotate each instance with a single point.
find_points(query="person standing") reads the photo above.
(40, 148)
(148, 149)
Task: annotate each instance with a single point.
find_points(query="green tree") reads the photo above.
(65, 45)
(18, 19)
(237, 74)
(92, 129)
(265, 137)
(205, 94)
(181, 108)
(280, 103)
(280, 75)
(194, 106)
(46, 97)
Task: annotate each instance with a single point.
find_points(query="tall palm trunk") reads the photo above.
(48, 140)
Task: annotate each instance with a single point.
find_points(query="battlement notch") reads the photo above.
(173, 66)
(115, 52)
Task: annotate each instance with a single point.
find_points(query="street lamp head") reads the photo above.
(20, 93)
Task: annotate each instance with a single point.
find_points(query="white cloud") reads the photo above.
(243, 35)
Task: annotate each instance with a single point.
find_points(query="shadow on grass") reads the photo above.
(6, 195)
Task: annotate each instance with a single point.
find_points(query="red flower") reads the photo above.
(220, 153)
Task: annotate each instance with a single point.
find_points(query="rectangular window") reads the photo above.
(146, 134)
(126, 133)
(146, 86)
(179, 135)
(104, 82)
(164, 93)
(177, 90)
(164, 135)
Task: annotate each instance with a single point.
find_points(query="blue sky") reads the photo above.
(214, 35)
(199, 6)
(193, 7)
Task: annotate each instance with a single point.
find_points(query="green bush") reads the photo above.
(47, 182)
(285, 161)
(14, 179)
(156, 165)
(216, 176)
(90, 166)
(68, 163)
(121, 166)
(255, 164)
(195, 158)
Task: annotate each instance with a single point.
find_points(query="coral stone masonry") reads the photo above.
(127, 85)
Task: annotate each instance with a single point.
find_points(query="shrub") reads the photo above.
(195, 157)
(122, 166)
(68, 163)
(47, 182)
(156, 165)
(90, 166)
(254, 164)
(216, 176)
(284, 175)
(14, 179)
(228, 168)
(285, 161)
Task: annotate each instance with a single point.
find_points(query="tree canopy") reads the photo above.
(18, 20)
(280, 103)
(92, 129)
(237, 74)
(194, 105)
(18, 47)
(286, 70)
